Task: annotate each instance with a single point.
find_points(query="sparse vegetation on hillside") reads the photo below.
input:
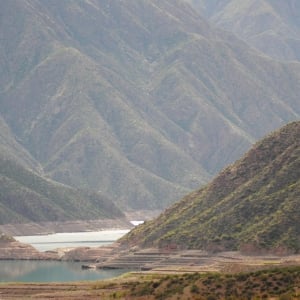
(133, 98)
(266, 284)
(27, 197)
(252, 205)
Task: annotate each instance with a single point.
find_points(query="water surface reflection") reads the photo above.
(50, 271)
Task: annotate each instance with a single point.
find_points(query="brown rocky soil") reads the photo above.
(12, 249)
(186, 261)
(49, 291)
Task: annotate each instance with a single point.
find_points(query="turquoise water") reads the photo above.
(50, 271)
(55, 271)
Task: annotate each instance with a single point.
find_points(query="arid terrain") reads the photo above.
(252, 279)
(169, 274)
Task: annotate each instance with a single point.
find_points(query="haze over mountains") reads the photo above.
(251, 205)
(27, 198)
(272, 26)
(142, 100)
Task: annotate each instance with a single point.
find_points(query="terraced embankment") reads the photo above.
(158, 260)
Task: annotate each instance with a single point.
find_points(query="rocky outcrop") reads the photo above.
(10, 249)
(87, 254)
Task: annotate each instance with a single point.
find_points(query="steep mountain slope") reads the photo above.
(272, 26)
(253, 203)
(11, 149)
(27, 197)
(142, 100)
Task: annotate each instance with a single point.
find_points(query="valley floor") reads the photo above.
(268, 283)
(154, 260)
(190, 274)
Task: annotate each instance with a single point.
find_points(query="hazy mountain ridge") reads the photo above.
(253, 203)
(134, 98)
(11, 149)
(272, 26)
(27, 197)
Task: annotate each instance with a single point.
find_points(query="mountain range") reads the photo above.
(142, 101)
(252, 205)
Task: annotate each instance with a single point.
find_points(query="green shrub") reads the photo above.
(194, 289)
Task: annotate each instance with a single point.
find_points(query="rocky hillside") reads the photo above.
(27, 197)
(272, 26)
(11, 249)
(142, 100)
(251, 205)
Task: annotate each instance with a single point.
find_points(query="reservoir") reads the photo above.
(71, 240)
(56, 271)
(50, 271)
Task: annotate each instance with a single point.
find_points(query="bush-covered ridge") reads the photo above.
(251, 205)
(279, 283)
